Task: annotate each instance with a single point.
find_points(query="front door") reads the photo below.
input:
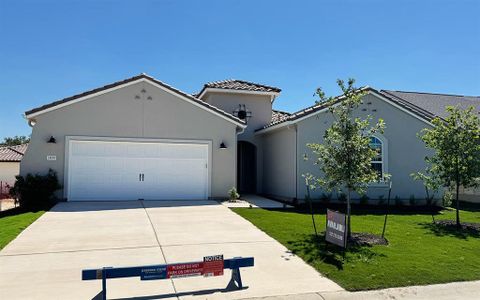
(246, 167)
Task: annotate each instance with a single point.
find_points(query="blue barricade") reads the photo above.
(157, 272)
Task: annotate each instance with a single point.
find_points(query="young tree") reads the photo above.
(456, 141)
(345, 155)
(16, 140)
(431, 181)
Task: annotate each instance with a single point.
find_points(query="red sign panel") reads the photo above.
(213, 265)
(185, 270)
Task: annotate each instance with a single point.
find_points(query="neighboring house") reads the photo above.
(10, 157)
(142, 139)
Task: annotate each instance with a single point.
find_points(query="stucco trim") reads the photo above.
(69, 138)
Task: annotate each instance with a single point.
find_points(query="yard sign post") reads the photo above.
(210, 266)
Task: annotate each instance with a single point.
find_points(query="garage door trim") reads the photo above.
(69, 139)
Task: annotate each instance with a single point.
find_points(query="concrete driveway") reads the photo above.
(45, 260)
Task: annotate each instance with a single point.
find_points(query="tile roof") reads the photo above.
(12, 153)
(424, 105)
(278, 116)
(134, 78)
(241, 85)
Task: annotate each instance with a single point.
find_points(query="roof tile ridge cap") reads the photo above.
(258, 84)
(16, 151)
(281, 111)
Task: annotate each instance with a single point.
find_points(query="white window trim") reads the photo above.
(384, 160)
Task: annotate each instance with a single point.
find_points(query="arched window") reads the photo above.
(378, 161)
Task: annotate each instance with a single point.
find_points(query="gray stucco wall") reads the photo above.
(405, 153)
(279, 163)
(261, 108)
(119, 114)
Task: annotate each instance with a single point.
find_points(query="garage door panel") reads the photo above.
(100, 170)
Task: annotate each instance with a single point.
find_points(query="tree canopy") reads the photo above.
(15, 140)
(456, 144)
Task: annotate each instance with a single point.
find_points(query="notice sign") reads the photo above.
(213, 265)
(185, 270)
(336, 231)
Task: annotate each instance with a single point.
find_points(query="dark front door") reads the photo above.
(246, 167)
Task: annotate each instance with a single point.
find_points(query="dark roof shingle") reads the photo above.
(12, 153)
(434, 104)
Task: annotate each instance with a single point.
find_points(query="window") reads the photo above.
(377, 162)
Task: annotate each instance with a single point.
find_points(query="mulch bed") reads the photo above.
(366, 239)
(464, 225)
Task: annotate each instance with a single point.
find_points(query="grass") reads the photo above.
(418, 253)
(13, 222)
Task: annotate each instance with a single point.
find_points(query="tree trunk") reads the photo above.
(458, 203)
(349, 228)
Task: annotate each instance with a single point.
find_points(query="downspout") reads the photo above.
(296, 162)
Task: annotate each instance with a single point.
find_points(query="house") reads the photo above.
(10, 157)
(142, 139)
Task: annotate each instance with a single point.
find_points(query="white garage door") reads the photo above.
(119, 170)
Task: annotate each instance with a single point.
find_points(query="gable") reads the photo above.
(314, 110)
(143, 78)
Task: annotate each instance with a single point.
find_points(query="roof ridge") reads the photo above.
(429, 93)
(14, 150)
(281, 111)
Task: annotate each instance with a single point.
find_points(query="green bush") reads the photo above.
(233, 194)
(364, 200)
(342, 198)
(447, 198)
(35, 191)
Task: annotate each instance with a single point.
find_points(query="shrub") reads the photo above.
(412, 200)
(35, 191)
(447, 198)
(364, 200)
(233, 194)
(398, 201)
(342, 198)
(325, 198)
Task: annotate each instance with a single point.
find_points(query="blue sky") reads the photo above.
(54, 49)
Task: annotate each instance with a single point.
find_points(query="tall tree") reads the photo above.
(456, 141)
(15, 140)
(345, 155)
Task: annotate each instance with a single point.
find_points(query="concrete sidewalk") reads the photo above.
(46, 259)
(255, 201)
(450, 291)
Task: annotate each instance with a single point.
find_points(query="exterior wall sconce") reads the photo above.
(223, 146)
(52, 140)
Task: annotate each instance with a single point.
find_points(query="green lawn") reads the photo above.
(418, 253)
(13, 222)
